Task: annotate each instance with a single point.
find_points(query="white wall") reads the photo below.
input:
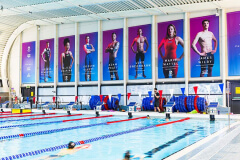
(14, 66)
(46, 32)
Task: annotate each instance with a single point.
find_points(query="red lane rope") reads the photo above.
(6, 112)
(86, 118)
(181, 120)
(126, 120)
(56, 116)
(28, 115)
(16, 113)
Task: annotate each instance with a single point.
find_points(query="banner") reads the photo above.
(204, 42)
(28, 62)
(170, 49)
(233, 36)
(88, 62)
(66, 55)
(46, 61)
(113, 55)
(139, 52)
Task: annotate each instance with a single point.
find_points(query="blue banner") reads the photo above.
(28, 62)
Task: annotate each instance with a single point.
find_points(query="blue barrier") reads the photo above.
(180, 103)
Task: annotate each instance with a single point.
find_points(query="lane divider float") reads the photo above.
(41, 123)
(63, 129)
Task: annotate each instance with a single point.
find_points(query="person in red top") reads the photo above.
(170, 60)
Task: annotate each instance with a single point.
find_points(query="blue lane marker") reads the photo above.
(26, 119)
(31, 124)
(48, 131)
(159, 148)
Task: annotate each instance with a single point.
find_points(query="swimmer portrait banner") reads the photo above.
(28, 62)
(233, 30)
(204, 43)
(88, 59)
(139, 52)
(46, 61)
(66, 55)
(113, 55)
(170, 49)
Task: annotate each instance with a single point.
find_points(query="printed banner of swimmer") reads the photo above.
(46, 61)
(28, 62)
(170, 49)
(88, 59)
(233, 30)
(112, 55)
(204, 42)
(66, 55)
(139, 52)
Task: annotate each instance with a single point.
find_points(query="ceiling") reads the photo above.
(13, 13)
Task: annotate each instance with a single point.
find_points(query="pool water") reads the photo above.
(153, 143)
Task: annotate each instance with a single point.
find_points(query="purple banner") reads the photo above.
(170, 49)
(28, 62)
(113, 55)
(66, 55)
(88, 62)
(139, 52)
(233, 30)
(204, 42)
(46, 61)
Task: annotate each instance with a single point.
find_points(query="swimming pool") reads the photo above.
(152, 142)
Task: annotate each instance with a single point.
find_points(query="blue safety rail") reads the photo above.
(6, 102)
(99, 103)
(132, 104)
(71, 103)
(51, 149)
(46, 103)
(213, 103)
(168, 105)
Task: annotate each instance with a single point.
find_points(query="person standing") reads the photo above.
(156, 100)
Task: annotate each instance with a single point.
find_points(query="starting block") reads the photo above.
(169, 106)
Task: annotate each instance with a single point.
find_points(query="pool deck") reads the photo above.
(224, 144)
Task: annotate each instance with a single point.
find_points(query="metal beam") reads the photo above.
(155, 6)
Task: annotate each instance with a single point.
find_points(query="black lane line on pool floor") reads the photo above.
(159, 148)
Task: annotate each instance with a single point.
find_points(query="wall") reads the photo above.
(46, 32)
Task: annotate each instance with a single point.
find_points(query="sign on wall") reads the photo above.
(233, 30)
(204, 42)
(66, 55)
(46, 61)
(139, 52)
(170, 49)
(113, 55)
(28, 62)
(88, 62)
